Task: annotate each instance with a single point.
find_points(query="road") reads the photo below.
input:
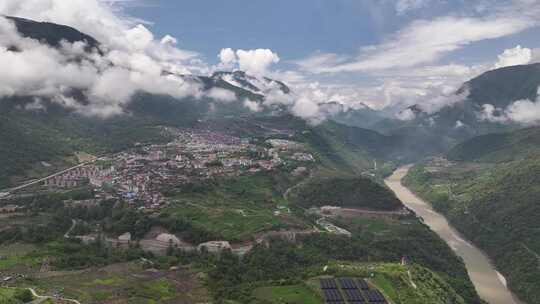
(34, 293)
(37, 181)
(300, 184)
(73, 224)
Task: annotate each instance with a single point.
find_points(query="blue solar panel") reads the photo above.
(374, 296)
(332, 295)
(362, 284)
(353, 295)
(328, 284)
(347, 283)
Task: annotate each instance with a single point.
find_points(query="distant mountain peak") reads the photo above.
(51, 33)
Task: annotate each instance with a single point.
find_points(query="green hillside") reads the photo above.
(496, 207)
(503, 86)
(393, 280)
(355, 192)
(498, 147)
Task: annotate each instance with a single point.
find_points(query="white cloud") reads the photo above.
(425, 41)
(222, 95)
(525, 112)
(515, 56)
(406, 115)
(168, 39)
(403, 6)
(306, 107)
(131, 60)
(252, 105)
(417, 44)
(227, 57)
(256, 61)
(492, 114)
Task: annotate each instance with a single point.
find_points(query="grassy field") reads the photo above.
(294, 294)
(123, 283)
(237, 208)
(18, 258)
(6, 295)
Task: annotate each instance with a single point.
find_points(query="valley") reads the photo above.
(489, 284)
(134, 171)
(493, 205)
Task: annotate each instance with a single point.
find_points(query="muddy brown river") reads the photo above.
(490, 284)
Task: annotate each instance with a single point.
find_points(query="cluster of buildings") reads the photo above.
(80, 175)
(141, 174)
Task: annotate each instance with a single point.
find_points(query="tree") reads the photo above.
(24, 295)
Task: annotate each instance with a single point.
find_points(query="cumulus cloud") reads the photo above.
(256, 62)
(227, 58)
(514, 56)
(131, 60)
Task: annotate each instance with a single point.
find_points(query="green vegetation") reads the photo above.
(235, 208)
(293, 294)
(498, 147)
(356, 192)
(411, 284)
(15, 296)
(401, 284)
(124, 283)
(502, 86)
(497, 208)
(286, 263)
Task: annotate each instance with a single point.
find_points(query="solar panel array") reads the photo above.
(332, 295)
(347, 283)
(375, 296)
(328, 284)
(354, 295)
(355, 292)
(363, 284)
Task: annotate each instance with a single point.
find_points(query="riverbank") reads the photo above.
(481, 271)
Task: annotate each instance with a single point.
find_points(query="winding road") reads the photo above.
(34, 293)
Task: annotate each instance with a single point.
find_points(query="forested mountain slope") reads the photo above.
(492, 198)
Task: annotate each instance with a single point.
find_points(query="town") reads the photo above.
(141, 174)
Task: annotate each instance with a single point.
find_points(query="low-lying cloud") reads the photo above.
(130, 59)
(523, 112)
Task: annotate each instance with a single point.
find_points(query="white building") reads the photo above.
(215, 246)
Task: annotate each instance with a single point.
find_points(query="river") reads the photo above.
(489, 283)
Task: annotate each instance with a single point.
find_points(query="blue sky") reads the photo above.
(293, 29)
(299, 28)
(388, 54)
(382, 52)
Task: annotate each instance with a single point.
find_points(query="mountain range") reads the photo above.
(491, 162)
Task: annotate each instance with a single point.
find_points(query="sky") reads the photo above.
(370, 50)
(387, 54)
